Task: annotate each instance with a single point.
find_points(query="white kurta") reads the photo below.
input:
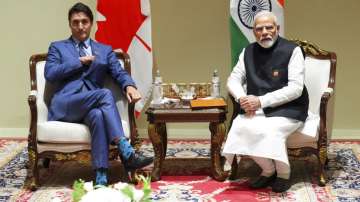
(259, 135)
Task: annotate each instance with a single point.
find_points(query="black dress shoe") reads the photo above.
(281, 185)
(137, 161)
(262, 182)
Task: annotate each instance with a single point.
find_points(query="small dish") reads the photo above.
(186, 99)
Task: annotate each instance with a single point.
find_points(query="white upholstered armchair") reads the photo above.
(56, 140)
(320, 69)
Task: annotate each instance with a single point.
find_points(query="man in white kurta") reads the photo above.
(272, 69)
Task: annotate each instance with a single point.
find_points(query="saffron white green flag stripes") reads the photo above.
(241, 22)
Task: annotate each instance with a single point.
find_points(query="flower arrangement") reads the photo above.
(119, 192)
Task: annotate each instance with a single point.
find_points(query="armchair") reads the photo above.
(63, 141)
(320, 68)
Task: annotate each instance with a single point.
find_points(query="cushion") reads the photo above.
(317, 74)
(64, 147)
(297, 140)
(45, 91)
(64, 132)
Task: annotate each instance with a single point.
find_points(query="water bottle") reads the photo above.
(215, 84)
(158, 90)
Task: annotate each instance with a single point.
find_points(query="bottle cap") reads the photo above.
(215, 78)
(215, 72)
(158, 78)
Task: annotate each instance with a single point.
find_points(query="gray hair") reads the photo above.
(267, 14)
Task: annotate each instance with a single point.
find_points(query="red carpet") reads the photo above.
(203, 188)
(187, 179)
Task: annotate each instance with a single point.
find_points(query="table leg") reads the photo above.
(155, 135)
(217, 138)
(163, 134)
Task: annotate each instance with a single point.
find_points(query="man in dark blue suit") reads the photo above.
(78, 67)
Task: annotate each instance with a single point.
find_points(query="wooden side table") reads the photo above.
(159, 115)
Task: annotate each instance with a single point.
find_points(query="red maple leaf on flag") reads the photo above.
(281, 2)
(123, 19)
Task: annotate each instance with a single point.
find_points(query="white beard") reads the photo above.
(267, 43)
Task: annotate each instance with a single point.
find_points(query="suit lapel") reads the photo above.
(94, 48)
(72, 49)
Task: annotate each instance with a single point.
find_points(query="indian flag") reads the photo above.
(242, 18)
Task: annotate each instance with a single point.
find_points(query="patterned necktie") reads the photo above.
(82, 47)
(82, 53)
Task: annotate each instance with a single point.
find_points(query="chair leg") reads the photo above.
(326, 163)
(322, 159)
(234, 168)
(32, 181)
(36, 173)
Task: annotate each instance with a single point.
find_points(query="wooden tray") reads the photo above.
(208, 103)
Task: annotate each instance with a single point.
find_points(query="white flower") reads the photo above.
(119, 192)
(56, 199)
(120, 185)
(105, 195)
(88, 186)
(138, 194)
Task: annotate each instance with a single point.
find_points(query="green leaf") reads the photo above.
(128, 191)
(79, 190)
(146, 188)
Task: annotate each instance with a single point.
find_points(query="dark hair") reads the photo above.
(80, 7)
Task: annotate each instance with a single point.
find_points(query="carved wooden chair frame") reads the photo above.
(326, 118)
(82, 156)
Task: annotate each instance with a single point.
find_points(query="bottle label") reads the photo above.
(157, 93)
(215, 90)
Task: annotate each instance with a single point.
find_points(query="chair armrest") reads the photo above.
(323, 130)
(329, 90)
(236, 109)
(33, 120)
(33, 92)
(328, 93)
(134, 136)
(32, 99)
(325, 99)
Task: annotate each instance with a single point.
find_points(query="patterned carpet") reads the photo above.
(186, 179)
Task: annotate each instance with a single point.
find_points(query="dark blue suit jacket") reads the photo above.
(64, 69)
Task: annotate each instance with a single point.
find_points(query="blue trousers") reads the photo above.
(97, 109)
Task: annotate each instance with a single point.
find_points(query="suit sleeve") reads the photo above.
(56, 69)
(118, 72)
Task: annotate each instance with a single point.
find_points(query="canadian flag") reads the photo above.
(126, 25)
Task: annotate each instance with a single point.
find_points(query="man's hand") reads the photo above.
(87, 60)
(250, 103)
(132, 94)
(250, 114)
